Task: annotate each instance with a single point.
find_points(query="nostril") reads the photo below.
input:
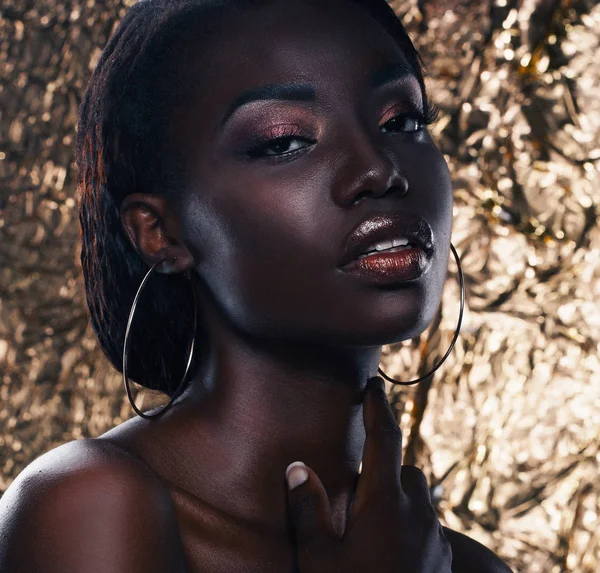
(360, 197)
(402, 184)
(402, 189)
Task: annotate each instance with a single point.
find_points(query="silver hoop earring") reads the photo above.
(460, 315)
(126, 347)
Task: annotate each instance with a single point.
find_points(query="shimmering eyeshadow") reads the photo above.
(297, 91)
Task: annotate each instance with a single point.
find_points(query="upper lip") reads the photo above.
(387, 226)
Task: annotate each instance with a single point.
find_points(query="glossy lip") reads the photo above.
(388, 268)
(385, 227)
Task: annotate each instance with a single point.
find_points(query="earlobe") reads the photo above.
(153, 231)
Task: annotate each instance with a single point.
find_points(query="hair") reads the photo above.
(124, 146)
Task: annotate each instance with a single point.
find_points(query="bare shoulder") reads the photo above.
(470, 556)
(88, 506)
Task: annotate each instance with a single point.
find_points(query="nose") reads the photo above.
(369, 169)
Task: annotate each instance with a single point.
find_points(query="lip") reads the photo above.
(385, 227)
(390, 268)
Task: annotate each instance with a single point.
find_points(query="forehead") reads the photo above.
(322, 42)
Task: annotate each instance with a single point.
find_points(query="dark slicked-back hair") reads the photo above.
(125, 145)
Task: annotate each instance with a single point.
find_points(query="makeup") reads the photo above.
(391, 266)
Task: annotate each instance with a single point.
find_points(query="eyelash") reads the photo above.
(282, 133)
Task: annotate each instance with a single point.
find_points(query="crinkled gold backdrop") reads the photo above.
(508, 429)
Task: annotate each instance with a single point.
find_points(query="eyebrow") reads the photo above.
(295, 91)
(391, 72)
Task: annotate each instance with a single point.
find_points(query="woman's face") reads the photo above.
(267, 223)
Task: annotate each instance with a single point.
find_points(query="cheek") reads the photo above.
(431, 186)
(435, 203)
(437, 208)
(264, 251)
(430, 193)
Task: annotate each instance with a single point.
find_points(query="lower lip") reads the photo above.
(389, 268)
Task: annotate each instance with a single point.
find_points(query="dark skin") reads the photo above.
(293, 339)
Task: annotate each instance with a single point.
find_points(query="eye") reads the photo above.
(404, 123)
(278, 141)
(281, 146)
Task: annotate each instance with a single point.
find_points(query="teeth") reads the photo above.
(389, 250)
(400, 242)
(384, 245)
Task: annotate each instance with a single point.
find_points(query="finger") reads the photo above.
(382, 453)
(415, 487)
(310, 509)
(414, 483)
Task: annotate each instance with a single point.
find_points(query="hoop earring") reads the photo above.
(126, 347)
(460, 315)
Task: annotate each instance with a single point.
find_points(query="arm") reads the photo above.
(470, 556)
(80, 508)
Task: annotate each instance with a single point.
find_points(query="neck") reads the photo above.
(263, 409)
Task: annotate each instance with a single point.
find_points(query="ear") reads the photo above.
(154, 231)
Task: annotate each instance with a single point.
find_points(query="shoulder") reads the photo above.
(470, 556)
(87, 506)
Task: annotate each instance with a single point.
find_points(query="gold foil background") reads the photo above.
(507, 430)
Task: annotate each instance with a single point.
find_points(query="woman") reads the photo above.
(251, 153)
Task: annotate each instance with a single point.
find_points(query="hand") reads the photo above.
(392, 526)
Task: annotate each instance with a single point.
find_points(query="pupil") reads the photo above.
(281, 145)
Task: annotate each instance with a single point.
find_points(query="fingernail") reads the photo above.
(296, 474)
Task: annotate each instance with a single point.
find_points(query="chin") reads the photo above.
(408, 312)
(420, 325)
(388, 327)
